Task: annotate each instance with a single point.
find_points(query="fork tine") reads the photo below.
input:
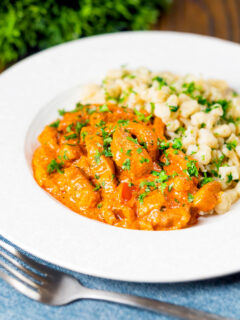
(18, 274)
(21, 267)
(28, 261)
(18, 285)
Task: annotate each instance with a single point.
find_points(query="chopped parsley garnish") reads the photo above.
(189, 87)
(71, 136)
(84, 134)
(142, 196)
(225, 104)
(132, 139)
(55, 124)
(167, 162)
(65, 157)
(162, 187)
(130, 76)
(173, 108)
(139, 150)
(54, 166)
(218, 163)
(142, 160)
(214, 172)
(61, 112)
(78, 107)
(104, 108)
(177, 143)
(97, 176)
(142, 117)
(190, 197)
(210, 107)
(148, 184)
(143, 144)
(80, 125)
(126, 164)
(97, 157)
(173, 89)
(132, 91)
(229, 178)
(163, 145)
(69, 127)
(152, 107)
(170, 187)
(160, 81)
(202, 101)
(97, 187)
(123, 122)
(231, 145)
(99, 206)
(180, 130)
(206, 179)
(107, 152)
(128, 153)
(192, 170)
(203, 125)
(162, 176)
(100, 124)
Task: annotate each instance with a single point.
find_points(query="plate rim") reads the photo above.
(25, 248)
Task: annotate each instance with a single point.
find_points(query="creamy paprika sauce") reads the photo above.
(116, 165)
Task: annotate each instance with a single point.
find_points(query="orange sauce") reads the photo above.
(115, 165)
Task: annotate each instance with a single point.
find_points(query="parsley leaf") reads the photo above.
(229, 178)
(54, 166)
(231, 145)
(126, 164)
(192, 169)
(104, 108)
(177, 143)
(163, 145)
(161, 82)
(189, 87)
(162, 176)
(69, 127)
(80, 125)
(190, 197)
(205, 180)
(97, 187)
(132, 139)
(142, 160)
(71, 136)
(55, 124)
(142, 196)
(123, 122)
(142, 117)
(173, 108)
(97, 157)
(128, 153)
(61, 112)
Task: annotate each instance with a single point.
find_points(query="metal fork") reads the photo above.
(56, 288)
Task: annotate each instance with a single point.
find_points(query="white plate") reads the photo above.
(33, 220)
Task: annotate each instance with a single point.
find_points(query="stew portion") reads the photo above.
(115, 165)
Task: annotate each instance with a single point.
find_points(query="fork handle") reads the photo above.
(152, 305)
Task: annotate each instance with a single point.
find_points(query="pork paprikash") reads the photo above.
(115, 165)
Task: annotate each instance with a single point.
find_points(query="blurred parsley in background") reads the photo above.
(27, 26)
